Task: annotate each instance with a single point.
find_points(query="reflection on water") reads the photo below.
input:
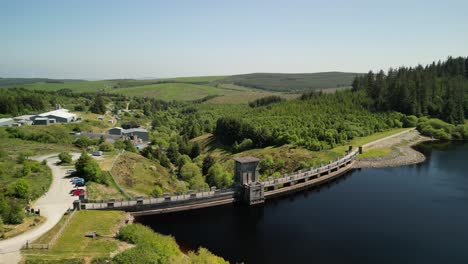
(412, 214)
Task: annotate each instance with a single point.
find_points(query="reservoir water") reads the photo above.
(411, 214)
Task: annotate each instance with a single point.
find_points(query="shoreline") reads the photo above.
(402, 153)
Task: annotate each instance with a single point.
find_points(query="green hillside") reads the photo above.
(9, 82)
(293, 82)
(224, 89)
(79, 86)
(174, 91)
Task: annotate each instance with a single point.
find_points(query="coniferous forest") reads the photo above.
(438, 90)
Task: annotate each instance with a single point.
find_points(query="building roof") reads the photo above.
(63, 113)
(23, 117)
(138, 129)
(119, 128)
(246, 159)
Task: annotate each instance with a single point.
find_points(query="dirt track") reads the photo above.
(402, 151)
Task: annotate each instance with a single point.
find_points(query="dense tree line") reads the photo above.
(319, 121)
(438, 90)
(266, 101)
(19, 101)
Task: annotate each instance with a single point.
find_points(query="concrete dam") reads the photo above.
(247, 188)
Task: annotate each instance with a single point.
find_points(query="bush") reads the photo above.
(150, 246)
(410, 121)
(21, 189)
(157, 192)
(203, 256)
(119, 144)
(106, 146)
(208, 161)
(15, 214)
(246, 144)
(435, 128)
(218, 177)
(189, 171)
(65, 158)
(88, 168)
(84, 142)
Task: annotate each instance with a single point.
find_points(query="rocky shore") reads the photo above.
(402, 151)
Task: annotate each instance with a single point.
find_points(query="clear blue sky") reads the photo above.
(117, 39)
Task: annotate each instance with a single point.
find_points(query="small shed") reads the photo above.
(116, 131)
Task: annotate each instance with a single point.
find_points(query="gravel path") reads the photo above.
(52, 205)
(402, 151)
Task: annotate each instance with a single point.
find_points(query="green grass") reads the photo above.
(139, 175)
(244, 95)
(364, 140)
(72, 243)
(376, 153)
(173, 91)
(83, 86)
(292, 82)
(196, 79)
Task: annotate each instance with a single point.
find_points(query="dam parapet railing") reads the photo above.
(257, 190)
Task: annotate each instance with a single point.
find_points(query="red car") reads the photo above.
(77, 192)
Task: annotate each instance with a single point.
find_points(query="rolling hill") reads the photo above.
(292, 82)
(224, 89)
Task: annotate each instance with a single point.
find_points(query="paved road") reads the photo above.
(52, 205)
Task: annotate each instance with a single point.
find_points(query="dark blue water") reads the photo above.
(412, 214)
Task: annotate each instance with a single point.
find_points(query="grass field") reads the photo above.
(72, 244)
(83, 86)
(298, 82)
(244, 95)
(376, 153)
(139, 175)
(232, 89)
(196, 79)
(173, 91)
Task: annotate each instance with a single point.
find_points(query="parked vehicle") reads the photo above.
(71, 171)
(74, 179)
(97, 153)
(77, 180)
(78, 192)
(80, 184)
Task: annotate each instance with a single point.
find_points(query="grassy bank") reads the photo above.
(134, 244)
(72, 245)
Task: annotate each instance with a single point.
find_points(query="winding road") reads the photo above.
(52, 205)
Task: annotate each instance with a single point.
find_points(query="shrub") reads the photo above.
(189, 171)
(84, 142)
(204, 256)
(157, 192)
(218, 177)
(151, 247)
(88, 168)
(410, 121)
(435, 128)
(208, 161)
(106, 146)
(21, 189)
(65, 158)
(246, 144)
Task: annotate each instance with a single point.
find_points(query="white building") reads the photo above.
(60, 116)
